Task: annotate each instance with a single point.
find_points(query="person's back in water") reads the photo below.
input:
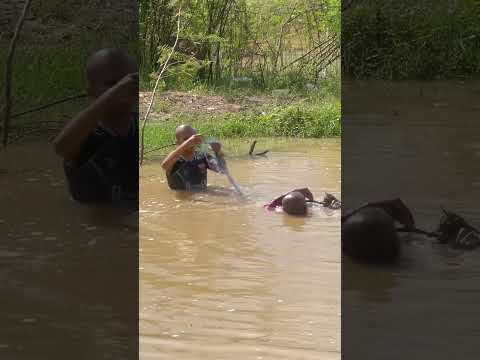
(297, 202)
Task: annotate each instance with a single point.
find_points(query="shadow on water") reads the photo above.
(374, 291)
(295, 223)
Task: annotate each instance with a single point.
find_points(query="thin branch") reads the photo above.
(142, 149)
(282, 32)
(252, 147)
(265, 152)
(324, 44)
(159, 148)
(8, 73)
(327, 57)
(334, 58)
(33, 131)
(48, 105)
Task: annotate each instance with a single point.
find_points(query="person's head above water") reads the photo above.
(107, 67)
(370, 235)
(183, 133)
(294, 203)
(187, 132)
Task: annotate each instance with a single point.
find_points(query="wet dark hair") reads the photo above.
(294, 203)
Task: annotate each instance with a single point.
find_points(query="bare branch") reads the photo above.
(165, 65)
(318, 47)
(8, 73)
(46, 106)
(252, 147)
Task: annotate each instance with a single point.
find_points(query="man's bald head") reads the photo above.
(294, 203)
(183, 132)
(106, 67)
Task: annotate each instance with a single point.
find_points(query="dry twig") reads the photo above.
(8, 73)
(165, 65)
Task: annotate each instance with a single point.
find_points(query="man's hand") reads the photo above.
(305, 192)
(192, 142)
(126, 90)
(188, 145)
(216, 147)
(68, 143)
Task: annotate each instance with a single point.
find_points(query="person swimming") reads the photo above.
(186, 167)
(296, 202)
(370, 234)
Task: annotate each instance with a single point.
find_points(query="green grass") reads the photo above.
(305, 120)
(330, 85)
(46, 73)
(422, 40)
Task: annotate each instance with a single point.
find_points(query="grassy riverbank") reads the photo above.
(305, 118)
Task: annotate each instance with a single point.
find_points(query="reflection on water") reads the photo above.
(420, 145)
(60, 265)
(220, 278)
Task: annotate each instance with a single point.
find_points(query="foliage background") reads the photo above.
(278, 43)
(411, 39)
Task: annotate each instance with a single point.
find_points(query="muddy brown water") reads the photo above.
(220, 278)
(60, 264)
(420, 142)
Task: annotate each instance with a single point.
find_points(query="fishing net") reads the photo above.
(457, 232)
(205, 146)
(218, 162)
(331, 202)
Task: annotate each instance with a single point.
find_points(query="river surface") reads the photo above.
(60, 265)
(220, 278)
(419, 142)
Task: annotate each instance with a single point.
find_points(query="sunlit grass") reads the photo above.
(305, 120)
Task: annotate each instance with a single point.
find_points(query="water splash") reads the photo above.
(220, 163)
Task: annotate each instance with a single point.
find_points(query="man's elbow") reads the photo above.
(164, 165)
